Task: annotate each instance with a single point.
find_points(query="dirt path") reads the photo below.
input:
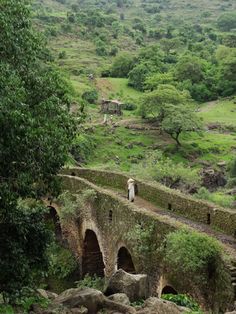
(208, 106)
(228, 241)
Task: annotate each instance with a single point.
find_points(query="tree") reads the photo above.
(169, 44)
(190, 68)
(180, 119)
(226, 58)
(154, 103)
(227, 21)
(122, 65)
(36, 134)
(152, 82)
(137, 76)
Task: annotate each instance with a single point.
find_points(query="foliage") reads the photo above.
(141, 236)
(167, 172)
(227, 21)
(182, 300)
(122, 65)
(218, 197)
(196, 260)
(90, 96)
(62, 262)
(72, 203)
(34, 102)
(83, 147)
(94, 282)
(180, 119)
(154, 103)
(138, 75)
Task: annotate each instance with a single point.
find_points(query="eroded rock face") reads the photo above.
(159, 306)
(134, 286)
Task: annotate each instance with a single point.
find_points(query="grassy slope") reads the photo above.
(81, 59)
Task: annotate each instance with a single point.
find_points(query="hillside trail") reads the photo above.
(208, 106)
(228, 242)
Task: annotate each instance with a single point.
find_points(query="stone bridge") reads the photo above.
(111, 233)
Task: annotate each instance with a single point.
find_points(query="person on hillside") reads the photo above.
(131, 190)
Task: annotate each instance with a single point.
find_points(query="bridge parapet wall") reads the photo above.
(113, 232)
(223, 219)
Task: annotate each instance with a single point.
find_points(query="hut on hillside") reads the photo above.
(111, 107)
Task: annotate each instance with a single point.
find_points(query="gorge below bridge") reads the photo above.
(101, 237)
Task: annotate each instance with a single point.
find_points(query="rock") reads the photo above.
(212, 179)
(221, 163)
(90, 298)
(47, 294)
(80, 310)
(234, 312)
(134, 286)
(232, 192)
(120, 298)
(158, 306)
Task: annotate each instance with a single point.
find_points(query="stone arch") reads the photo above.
(55, 219)
(124, 260)
(168, 290)
(92, 258)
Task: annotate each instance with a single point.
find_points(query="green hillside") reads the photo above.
(132, 48)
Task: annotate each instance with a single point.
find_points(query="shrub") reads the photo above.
(91, 96)
(233, 169)
(182, 300)
(218, 198)
(94, 282)
(165, 171)
(196, 260)
(62, 263)
(72, 203)
(122, 65)
(129, 106)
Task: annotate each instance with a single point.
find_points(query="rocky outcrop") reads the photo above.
(93, 300)
(212, 179)
(134, 286)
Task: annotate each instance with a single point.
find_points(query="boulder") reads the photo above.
(90, 298)
(47, 294)
(158, 306)
(134, 286)
(120, 298)
(93, 300)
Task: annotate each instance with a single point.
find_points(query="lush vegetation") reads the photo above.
(37, 132)
(199, 258)
(174, 71)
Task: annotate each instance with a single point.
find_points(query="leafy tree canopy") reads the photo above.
(36, 133)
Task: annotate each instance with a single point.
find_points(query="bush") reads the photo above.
(129, 106)
(122, 65)
(218, 198)
(94, 282)
(165, 171)
(91, 96)
(232, 170)
(196, 260)
(62, 262)
(182, 300)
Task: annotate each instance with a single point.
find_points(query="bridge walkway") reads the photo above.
(228, 241)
